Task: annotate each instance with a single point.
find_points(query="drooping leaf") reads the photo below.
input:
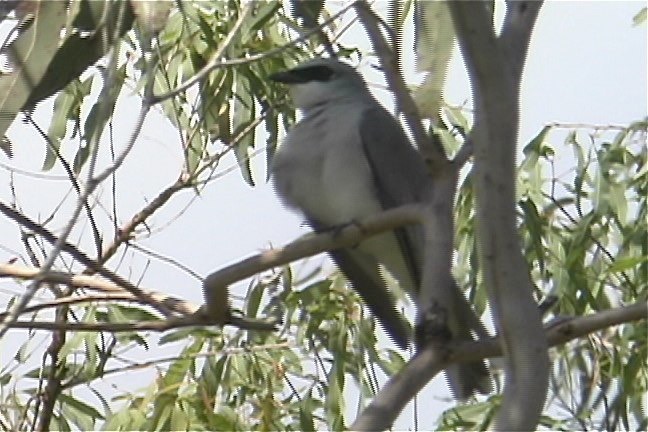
(30, 55)
(434, 41)
(99, 116)
(78, 412)
(67, 107)
(640, 17)
(243, 116)
(533, 225)
(82, 49)
(306, 421)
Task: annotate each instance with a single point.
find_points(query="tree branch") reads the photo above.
(191, 315)
(215, 284)
(381, 413)
(519, 21)
(494, 66)
(79, 256)
(90, 282)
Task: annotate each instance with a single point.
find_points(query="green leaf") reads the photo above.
(179, 420)
(215, 105)
(226, 419)
(162, 414)
(334, 404)
(81, 407)
(622, 264)
(182, 334)
(67, 107)
(537, 143)
(211, 376)
(121, 313)
(393, 363)
(534, 225)
(30, 54)
(456, 117)
(243, 117)
(263, 12)
(640, 17)
(60, 424)
(100, 113)
(170, 384)
(253, 300)
(82, 49)
(176, 372)
(473, 416)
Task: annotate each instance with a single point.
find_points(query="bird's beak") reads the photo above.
(288, 77)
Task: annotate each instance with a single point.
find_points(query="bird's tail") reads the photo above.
(465, 379)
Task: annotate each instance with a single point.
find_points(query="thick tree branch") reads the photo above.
(402, 387)
(516, 33)
(494, 66)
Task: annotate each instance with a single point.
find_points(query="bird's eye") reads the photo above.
(316, 73)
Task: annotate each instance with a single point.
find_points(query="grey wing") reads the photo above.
(364, 275)
(400, 177)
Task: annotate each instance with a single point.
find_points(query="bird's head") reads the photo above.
(321, 80)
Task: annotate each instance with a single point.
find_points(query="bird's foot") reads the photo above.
(335, 230)
(432, 327)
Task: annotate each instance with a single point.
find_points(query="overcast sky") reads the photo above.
(586, 64)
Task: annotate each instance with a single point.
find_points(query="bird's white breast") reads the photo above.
(321, 168)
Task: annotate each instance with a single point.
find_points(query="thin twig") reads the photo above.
(157, 326)
(60, 242)
(73, 180)
(72, 300)
(167, 259)
(79, 256)
(174, 304)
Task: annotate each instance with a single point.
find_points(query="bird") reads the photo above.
(349, 158)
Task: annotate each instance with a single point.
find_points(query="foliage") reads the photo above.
(584, 243)
(583, 231)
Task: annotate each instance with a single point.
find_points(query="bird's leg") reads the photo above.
(335, 230)
(432, 326)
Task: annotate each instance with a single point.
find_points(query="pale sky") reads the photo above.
(586, 64)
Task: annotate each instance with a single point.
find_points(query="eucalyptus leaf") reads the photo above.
(434, 41)
(243, 116)
(30, 55)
